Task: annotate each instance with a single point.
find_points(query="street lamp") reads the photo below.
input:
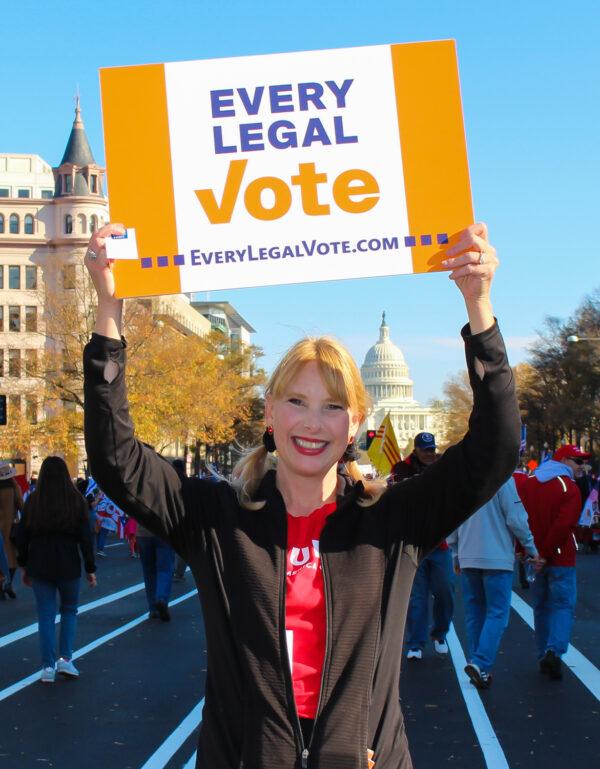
(573, 339)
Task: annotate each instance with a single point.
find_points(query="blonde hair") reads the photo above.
(342, 380)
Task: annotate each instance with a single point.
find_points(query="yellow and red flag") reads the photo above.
(383, 451)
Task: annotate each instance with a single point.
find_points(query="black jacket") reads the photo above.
(369, 556)
(55, 555)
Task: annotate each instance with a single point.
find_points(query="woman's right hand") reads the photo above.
(91, 578)
(100, 268)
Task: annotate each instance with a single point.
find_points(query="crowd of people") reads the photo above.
(532, 518)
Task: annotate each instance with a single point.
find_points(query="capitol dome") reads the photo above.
(384, 370)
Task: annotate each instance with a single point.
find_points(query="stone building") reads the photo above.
(386, 377)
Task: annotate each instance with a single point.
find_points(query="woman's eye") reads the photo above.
(335, 406)
(295, 401)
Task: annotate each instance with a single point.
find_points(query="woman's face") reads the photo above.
(311, 429)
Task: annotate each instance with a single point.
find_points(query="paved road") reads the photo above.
(138, 702)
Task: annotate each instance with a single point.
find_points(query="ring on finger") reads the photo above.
(481, 257)
(91, 254)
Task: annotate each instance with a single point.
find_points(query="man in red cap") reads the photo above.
(553, 503)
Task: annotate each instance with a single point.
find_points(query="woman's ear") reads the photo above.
(268, 409)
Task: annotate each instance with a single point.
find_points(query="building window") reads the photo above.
(14, 276)
(1, 362)
(82, 223)
(59, 184)
(30, 277)
(14, 406)
(24, 193)
(68, 183)
(14, 363)
(1, 223)
(28, 223)
(47, 194)
(14, 318)
(31, 408)
(68, 276)
(30, 362)
(31, 319)
(13, 225)
(68, 224)
(1, 276)
(4, 192)
(93, 223)
(94, 183)
(1, 318)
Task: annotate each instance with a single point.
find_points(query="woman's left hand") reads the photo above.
(26, 579)
(473, 262)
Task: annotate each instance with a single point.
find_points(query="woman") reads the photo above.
(11, 503)
(52, 534)
(305, 593)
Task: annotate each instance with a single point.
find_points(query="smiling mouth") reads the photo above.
(308, 446)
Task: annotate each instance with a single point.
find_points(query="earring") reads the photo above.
(351, 454)
(269, 440)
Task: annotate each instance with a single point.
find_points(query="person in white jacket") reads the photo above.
(483, 549)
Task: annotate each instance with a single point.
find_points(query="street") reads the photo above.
(137, 704)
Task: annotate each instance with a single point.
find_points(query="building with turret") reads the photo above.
(387, 380)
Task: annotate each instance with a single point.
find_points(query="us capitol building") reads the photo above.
(387, 380)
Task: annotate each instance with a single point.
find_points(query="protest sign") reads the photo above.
(285, 168)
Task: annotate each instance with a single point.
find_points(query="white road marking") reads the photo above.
(192, 762)
(580, 666)
(24, 682)
(163, 754)
(493, 754)
(17, 635)
(115, 544)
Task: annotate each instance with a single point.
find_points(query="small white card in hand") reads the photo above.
(122, 246)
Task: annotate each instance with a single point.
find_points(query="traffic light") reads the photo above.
(370, 436)
(2, 409)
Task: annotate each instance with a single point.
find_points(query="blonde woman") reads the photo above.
(304, 592)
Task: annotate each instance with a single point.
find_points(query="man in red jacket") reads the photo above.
(553, 503)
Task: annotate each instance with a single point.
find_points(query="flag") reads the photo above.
(383, 451)
(590, 509)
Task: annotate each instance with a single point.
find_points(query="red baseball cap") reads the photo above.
(570, 452)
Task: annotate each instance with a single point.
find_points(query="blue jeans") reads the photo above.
(157, 564)
(4, 561)
(434, 575)
(101, 539)
(554, 596)
(45, 598)
(486, 594)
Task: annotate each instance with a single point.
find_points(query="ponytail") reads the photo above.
(248, 473)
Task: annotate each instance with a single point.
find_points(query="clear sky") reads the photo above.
(529, 76)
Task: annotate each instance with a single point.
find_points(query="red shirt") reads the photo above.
(305, 620)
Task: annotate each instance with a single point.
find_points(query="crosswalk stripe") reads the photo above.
(163, 754)
(28, 630)
(24, 682)
(486, 736)
(192, 762)
(580, 666)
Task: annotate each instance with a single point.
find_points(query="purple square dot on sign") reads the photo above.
(425, 240)
(178, 260)
(162, 261)
(442, 238)
(410, 241)
(147, 261)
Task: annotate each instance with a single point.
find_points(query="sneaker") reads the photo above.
(101, 553)
(163, 611)
(66, 668)
(47, 675)
(477, 677)
(441, 646)
(552, 665)
(153, 614)
(414, 654)
(8, 589)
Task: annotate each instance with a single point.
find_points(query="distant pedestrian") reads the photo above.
(4, 569)
(52, 537)
(553, 503)
(131, 537)
(157, 559)
(484, 550)
(180, 564)
(434, 575)
(11, 503)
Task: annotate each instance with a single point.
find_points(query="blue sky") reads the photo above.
(532, 113)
